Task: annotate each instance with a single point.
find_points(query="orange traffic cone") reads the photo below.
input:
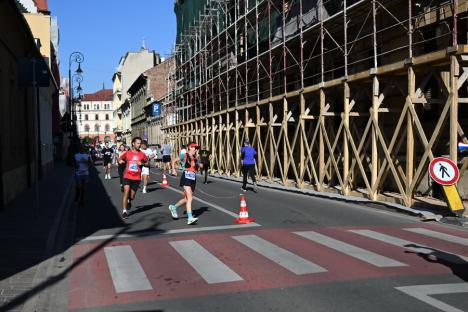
(243, 212)
(164, 181)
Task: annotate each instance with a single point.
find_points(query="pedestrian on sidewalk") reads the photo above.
(82, 161)
(135, 159)
(188, 181)
(121, 166)
(248, 155)
(145, 170)
(205, 159)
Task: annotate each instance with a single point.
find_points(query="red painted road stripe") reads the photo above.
(172, 277)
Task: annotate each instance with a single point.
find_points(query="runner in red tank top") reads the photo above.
(135, 160)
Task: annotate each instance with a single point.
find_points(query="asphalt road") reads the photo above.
(302, 254)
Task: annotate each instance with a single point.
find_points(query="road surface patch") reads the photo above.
(243, 263)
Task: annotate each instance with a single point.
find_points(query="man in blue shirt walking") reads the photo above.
(248, 154)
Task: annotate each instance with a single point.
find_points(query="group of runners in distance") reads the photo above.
(134, 164)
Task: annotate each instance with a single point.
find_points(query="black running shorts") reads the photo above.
(134, 184)
(187, 182)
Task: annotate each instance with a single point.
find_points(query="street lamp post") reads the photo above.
(75, 57)
(76, 102)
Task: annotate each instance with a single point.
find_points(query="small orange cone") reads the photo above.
(243, 212)
(164, 181)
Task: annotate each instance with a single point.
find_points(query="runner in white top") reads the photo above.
(145, 170)
(82, 161)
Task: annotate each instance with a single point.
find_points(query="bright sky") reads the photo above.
(104, 30)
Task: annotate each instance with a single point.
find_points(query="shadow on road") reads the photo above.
(457, 264)
(97, 214)
(198, 212)
(153, 189)
(144, 208)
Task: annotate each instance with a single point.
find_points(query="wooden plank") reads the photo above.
(321, 142)
(332, 157)
(345, 122)
(427, 144)
(389, 159)
(454, 72)
(410, 140)
(374, 156)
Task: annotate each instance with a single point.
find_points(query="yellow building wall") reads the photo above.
(40, 28)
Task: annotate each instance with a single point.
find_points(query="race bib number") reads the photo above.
(133, 167)
(190, 175)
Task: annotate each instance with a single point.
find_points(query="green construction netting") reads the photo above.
(187, 11)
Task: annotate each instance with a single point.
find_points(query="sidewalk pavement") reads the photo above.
(28, 231)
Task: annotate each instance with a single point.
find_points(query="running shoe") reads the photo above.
(173, 210)
(192, 221)
(243, 189)
(144, 190)
(125, 214)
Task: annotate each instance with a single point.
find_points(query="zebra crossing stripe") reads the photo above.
(126, 271)
(417, 248)
(210, 268)
(439, 235)
(283, 257)
(350, 250)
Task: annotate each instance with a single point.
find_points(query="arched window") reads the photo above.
(86, 128)
(107, 127)
(107, 116)
(96, 128)
(96, 117)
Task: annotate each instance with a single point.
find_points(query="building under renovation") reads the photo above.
(354, 97)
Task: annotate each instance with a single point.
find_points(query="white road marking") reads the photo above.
(126, 271)
(439, 235)
(422, 292)
(166, 232)
(283, 257)
(350, 250)
(207, 265)
(418, 248)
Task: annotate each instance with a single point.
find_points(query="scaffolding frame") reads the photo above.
(336, 98)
